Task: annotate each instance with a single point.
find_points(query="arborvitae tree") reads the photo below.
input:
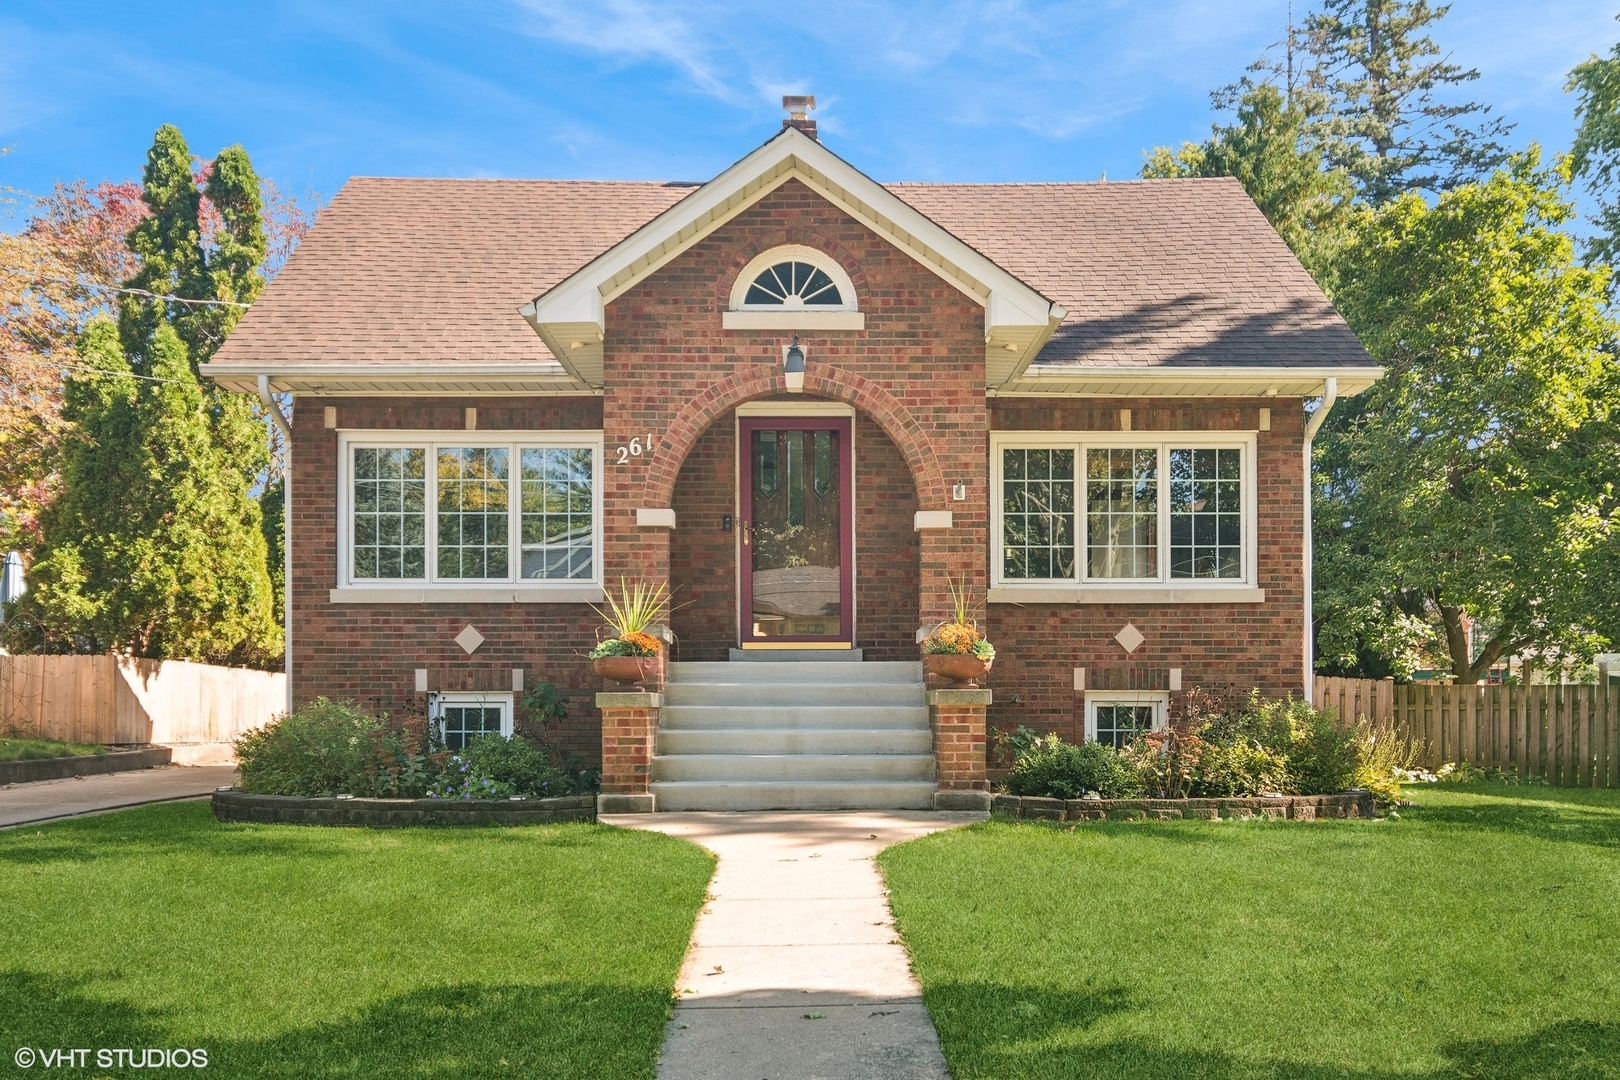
(154, 547)
(1380, 68)
(172, 561)
(1267, 150)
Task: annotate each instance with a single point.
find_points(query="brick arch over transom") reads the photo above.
(822, 380)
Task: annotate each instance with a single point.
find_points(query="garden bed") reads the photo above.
(1348, 804)
(58, 768)
(233, 805)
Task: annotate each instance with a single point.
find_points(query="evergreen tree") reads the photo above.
(1267, 150)
(1595, 157)
(156, 546)
(1384, 127)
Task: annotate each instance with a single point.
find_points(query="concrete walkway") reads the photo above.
(796, 970)
(46, 800)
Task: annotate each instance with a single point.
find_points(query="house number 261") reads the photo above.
(635, 449)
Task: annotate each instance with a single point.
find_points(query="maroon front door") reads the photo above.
(798, 540)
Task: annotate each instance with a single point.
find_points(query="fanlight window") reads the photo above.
(793, 278)
(794, 284)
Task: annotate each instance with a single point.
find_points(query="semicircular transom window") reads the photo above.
(792, 283)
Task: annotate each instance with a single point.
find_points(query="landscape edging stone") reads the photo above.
(60, 768)
(1345, 804)
(229, 804)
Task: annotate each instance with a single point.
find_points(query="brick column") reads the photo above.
(629, 728)
(957, 717)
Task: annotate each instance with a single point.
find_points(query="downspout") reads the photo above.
(286, 532)
(1330, 394)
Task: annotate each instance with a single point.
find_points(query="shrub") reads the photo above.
(492, 767)
(1240, 770)
(1055, 769)
(322, 748)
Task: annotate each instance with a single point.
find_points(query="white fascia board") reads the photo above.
(579, 299)
(1164, 380)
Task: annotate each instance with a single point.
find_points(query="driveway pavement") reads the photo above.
(46, 800)
(796, 970)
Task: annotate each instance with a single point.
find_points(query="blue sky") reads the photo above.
(319, 90)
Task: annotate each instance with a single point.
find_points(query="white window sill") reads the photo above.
(468, 594)
(793, 320)
(1125, 594)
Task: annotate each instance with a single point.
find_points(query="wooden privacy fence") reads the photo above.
(1569, 735)
(197, 709)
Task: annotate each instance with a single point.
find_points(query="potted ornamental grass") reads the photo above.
(631, 655)
(955, 651)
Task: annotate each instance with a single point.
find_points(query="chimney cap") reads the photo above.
(798, 105)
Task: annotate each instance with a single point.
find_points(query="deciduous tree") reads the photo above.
(1475, 488)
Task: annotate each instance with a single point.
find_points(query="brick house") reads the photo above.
(1087, 400)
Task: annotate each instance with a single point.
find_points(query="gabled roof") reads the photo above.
(1155, 286)
(570, 316)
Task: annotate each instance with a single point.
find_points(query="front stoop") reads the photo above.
(793, 734)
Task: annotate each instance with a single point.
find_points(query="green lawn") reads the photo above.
(1477, 936)
(299, 952)
(31, 749)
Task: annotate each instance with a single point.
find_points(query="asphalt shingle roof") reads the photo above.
(411, 271)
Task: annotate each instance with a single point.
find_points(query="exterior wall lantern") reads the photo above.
(793, 367)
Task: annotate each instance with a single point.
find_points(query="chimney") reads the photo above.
(798, 110)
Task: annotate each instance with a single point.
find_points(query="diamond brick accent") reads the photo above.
(469, 640)
(1130, 639)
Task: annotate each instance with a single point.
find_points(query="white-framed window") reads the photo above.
(464, 716)
(451, 508)
(1125, 510)
(1118, 717)
(794, 278)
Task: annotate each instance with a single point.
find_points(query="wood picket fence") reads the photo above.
(197, 710)
(1568, 735)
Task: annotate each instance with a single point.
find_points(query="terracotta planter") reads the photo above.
(960, 668)
(628, 669)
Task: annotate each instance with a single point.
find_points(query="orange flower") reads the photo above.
(953, 638)
(646, 642)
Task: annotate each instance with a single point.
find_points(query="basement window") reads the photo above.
(1116, 719)
(463, 717)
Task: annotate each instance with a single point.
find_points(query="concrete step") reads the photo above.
(796, 717)
(794, 795)
(801, 656)
(749, 768)
(684, 692)
(837, 741)
(763, 671)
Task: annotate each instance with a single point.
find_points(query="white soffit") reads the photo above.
(1186, 381)
(569, 317)
(412, 380)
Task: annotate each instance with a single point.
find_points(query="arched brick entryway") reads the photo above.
(820, 380)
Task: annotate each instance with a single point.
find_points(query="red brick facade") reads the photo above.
(915, 377)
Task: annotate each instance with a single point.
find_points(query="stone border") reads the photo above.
(59, 768)
(232, 805)
(1346, 804)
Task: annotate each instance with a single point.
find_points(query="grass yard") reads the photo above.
(298, 952)
(14, 749)
(1476, 936)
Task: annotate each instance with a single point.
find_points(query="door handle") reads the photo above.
(748, 533)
